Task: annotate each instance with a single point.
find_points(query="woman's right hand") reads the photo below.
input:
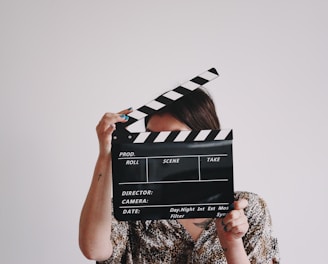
(105, 129)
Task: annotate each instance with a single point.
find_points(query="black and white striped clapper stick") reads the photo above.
(171, 96)
(164, 100)
(171, 174)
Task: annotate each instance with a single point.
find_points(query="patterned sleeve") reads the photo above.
(119, 238)
(259, 243)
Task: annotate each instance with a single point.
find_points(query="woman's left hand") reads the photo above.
(234, 225)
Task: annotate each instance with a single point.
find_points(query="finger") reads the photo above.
(107, 123)
(240, 204)
(115, 117)
(110, 129)
(111, 118)
(126, 111)
(233, 215)
(239, 230)
(240, 221)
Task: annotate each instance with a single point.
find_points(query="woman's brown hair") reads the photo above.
(196, 110)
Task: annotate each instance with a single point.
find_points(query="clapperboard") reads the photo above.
(171, 174)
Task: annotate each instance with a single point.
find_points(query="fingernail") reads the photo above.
(124, 116)
(130, 108)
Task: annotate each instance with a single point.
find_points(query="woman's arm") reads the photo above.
(95, 220)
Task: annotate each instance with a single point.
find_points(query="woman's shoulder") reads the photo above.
(259, 239)
(256, 203)
(250, 196)
(257, 211)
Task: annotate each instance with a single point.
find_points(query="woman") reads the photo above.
(244, 235)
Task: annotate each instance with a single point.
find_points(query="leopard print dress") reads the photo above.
(166, 241)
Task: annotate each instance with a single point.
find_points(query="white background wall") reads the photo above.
(64, 63)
